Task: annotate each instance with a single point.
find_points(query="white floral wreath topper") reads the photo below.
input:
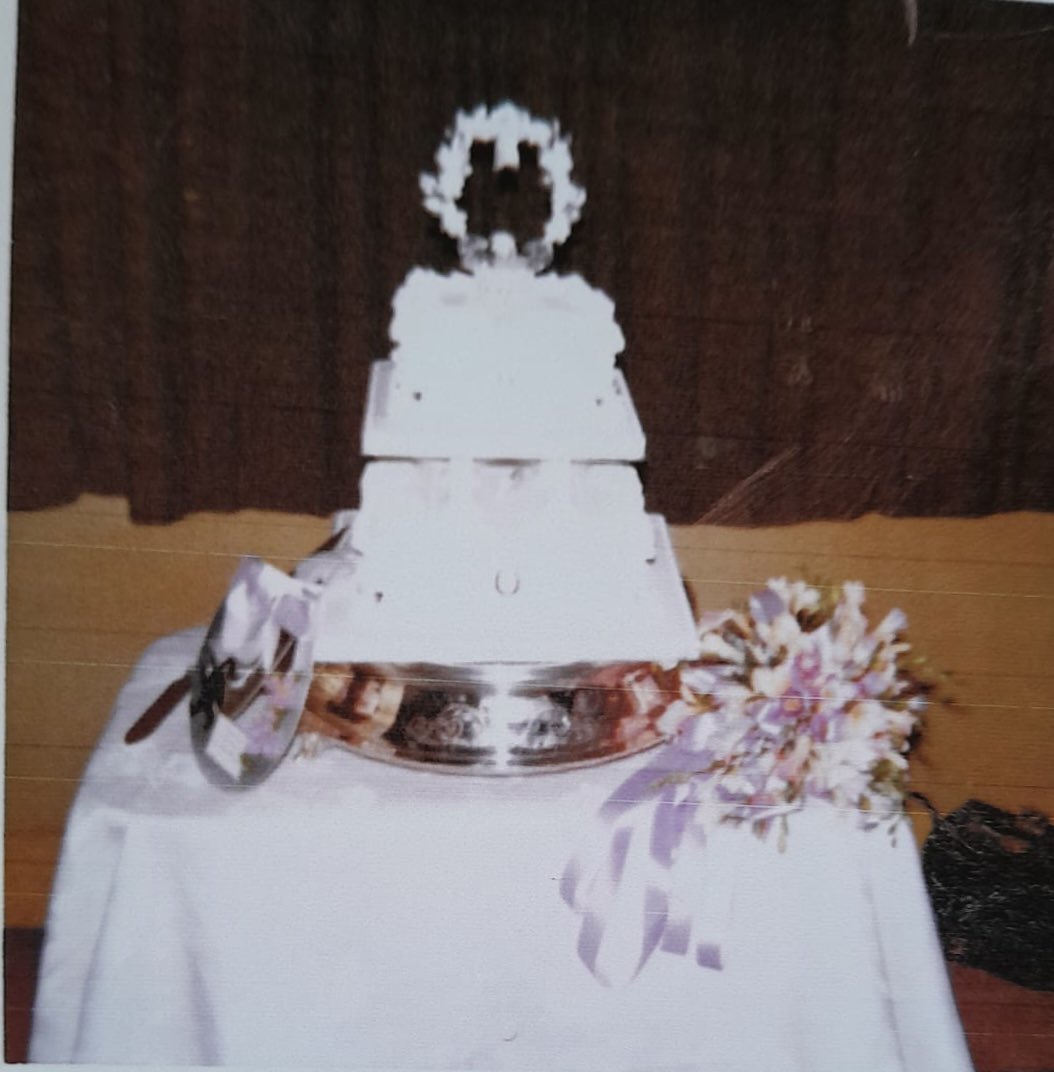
(507, 127)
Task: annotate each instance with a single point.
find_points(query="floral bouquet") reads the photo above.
(798, 697)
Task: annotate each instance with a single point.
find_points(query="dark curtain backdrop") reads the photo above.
(830, 252)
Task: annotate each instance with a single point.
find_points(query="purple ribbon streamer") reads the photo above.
(601, 884)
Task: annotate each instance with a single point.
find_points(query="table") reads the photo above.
(352, 913)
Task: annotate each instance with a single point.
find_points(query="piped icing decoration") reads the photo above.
(507, 127)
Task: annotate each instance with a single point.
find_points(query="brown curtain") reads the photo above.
(830, 251)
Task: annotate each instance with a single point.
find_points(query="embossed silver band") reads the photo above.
(500, 719)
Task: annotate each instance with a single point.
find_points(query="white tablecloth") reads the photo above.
(357, 914)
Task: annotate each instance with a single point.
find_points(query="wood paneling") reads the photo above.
(88, 590)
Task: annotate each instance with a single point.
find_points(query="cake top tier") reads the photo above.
(503, 318)
(502, 360)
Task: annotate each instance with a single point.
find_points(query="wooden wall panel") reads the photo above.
(88, 590)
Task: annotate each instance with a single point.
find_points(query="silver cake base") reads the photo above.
(494, 719)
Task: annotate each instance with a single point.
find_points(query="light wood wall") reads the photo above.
(88, 590)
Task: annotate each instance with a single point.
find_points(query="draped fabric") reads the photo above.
(830, 249)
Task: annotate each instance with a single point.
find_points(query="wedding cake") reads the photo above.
(501, 600)
(500, 521)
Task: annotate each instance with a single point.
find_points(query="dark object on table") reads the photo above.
(22, 948)
(159, 710)
(990, 875)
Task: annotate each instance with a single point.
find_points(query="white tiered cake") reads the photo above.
(503, 524)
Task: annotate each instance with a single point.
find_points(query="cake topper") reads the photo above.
(507, 127)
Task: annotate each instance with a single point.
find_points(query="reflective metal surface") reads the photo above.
(492, 719)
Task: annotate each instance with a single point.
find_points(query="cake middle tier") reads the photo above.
(498, 562)
(499, 412)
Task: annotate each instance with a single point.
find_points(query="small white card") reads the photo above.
(226, 746)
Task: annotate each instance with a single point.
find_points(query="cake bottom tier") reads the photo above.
(458, 612)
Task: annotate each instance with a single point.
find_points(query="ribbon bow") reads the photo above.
(262, 603)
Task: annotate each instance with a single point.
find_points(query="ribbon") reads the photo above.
(252, 669)
(261, 604)
(625, 888)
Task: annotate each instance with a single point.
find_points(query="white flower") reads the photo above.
(671, 720)
(797, 596)
(771, 680)
(894, 622)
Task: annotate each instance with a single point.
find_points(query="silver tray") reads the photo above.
(491, 718)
